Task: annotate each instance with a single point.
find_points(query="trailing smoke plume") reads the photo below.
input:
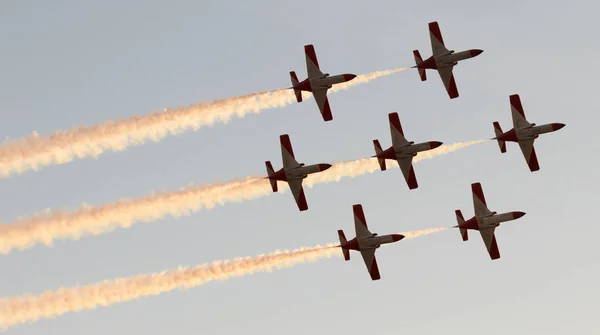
(31, 308)
(44, 228)
(34, 152)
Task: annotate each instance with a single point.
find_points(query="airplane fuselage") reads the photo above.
(408, 150)
(299, 172)
(448, 59)
(323, 82)
(489, 221)
(529, 133)
(371, 242)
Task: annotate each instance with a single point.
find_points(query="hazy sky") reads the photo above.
(66, 63)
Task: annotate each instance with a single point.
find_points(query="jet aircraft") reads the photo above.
(292, 172)
(442, 60)
(484, 220)
(317, 82)
(523, 132)
(402, 151)
(365, 242)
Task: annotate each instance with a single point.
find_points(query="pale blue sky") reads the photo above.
(68, 63)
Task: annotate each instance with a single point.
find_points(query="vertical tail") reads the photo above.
(419, 60)
(460, 219)
(270, 172)
(499, 132)
(295, 83)
(378, 151)
(342, 241)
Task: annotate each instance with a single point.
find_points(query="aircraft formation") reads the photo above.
(443, 61)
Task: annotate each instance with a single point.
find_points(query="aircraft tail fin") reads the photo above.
(295, 83)
(342, 241)
(499, 132)
(378, 151)
(460, 219)
(270, 172)
(419, 60)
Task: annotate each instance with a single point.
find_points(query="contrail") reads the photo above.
(31, 308)
(88, 220)
(34, 152)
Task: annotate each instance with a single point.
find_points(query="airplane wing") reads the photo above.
(360, 223)
(409, 173)
(312, 64)
(529, 153)
(396, 131)
(518, 115)
(323, 103)
(490, 242)
(298, 192)
(448, 80)
(437, 41)
(479, 204)
(368, 256)
(287, 152)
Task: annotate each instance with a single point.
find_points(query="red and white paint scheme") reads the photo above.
(402, 151)
(292, 172)
(442, 60)
(365, 242)
(317, 82)
(523, 132)
(484, 220)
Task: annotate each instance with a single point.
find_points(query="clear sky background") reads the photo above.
(66, 63)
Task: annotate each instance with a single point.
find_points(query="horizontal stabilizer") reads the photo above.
(460, 219)
(343, 240)
(378, 151)
(418, 61)
(270, 172)
(498, 131)
(295, 84)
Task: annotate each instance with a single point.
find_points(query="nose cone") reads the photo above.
(397, 237)
(557, 126)
(517, 215)
(476, 52)
(323, 167)
(434, 144)
(349, 76)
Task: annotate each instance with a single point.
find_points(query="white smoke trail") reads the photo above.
(46, 227)
(34, 152)
(31, 308)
